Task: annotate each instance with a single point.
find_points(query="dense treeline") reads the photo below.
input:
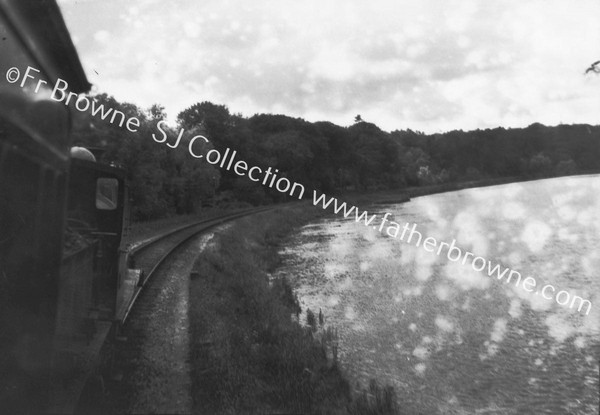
(319, 155)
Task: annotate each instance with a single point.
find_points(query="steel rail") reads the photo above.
(203, 225)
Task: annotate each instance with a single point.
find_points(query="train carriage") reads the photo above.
(61, 222)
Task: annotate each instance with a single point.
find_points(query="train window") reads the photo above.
(107, 193)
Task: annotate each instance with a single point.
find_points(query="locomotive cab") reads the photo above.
(90, 275)
(97, 220)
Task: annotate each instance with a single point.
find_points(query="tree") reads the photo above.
(540, 165)
(157, 112)
(215, 120)
(566, 167)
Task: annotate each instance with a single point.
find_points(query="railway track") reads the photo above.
(150, 356)
(149, 254)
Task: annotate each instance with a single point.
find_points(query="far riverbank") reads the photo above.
(407, 193)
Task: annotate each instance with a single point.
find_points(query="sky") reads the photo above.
(427, 65)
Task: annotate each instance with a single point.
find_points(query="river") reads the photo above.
(452, 340)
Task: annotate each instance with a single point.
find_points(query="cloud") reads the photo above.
(427, 65)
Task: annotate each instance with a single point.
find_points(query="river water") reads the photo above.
(452, 340)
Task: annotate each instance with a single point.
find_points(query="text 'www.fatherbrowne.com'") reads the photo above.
(408, 233)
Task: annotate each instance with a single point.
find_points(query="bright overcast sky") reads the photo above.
(428, 65)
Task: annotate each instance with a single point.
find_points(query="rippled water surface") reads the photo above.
(453, 340)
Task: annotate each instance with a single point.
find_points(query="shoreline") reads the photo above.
(249, 352)
(591, 178)
(406, 194)
(242, 332)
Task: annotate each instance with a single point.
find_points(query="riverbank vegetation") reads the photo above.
(319, 155)
(249, 352)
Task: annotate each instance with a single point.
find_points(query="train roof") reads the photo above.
(40, 25)
(114, 171)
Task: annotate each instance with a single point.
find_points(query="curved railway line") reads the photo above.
(149, 359)
(149, 254)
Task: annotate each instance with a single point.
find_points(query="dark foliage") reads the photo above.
(321, 155)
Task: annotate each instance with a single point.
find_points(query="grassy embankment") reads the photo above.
(249, 352)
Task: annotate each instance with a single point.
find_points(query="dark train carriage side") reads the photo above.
(96, 220)
(93, 261)
(64, 281)
(34, 164)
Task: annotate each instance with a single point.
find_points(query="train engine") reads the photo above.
(62, 222)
